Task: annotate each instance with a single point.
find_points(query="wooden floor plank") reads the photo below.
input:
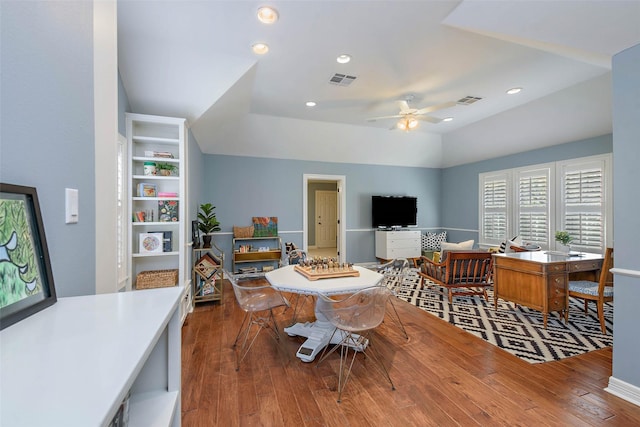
(443, 376)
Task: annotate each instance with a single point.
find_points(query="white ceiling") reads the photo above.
(193, 59)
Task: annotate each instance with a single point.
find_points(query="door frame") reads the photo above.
(341, 182)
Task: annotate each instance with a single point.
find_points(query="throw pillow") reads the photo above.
(467, 245)
(432, 241)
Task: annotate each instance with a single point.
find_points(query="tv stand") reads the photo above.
(391, 244)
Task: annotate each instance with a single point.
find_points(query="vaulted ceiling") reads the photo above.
(193, 59)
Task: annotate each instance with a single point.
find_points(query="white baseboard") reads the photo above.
(624, 390)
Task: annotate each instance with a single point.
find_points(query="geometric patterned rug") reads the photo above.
(518, 330)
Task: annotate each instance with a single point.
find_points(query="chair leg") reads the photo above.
(262, 323)
(586, 306)
(601, 317)
(395, 317)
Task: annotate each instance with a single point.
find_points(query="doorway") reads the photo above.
(323, 216)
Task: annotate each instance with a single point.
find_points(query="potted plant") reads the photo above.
(207, 223)
(165, 168)
(564, 238)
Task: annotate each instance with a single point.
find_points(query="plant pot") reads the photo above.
(164, 172)
(206, 241)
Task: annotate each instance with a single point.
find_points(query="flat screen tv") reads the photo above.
(394, 211)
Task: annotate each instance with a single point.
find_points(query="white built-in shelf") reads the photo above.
(155, 159)
(155, 254)
(156, 140)
(73, 363)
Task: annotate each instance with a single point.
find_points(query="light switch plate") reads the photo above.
(71, 205)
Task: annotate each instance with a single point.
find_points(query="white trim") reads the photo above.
(624, 390)
(626, 272)
(342, 209)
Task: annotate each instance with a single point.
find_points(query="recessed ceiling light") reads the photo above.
(514, 90)
(343, 59)
(447, 119)
(260, 48)
(310, 104)
(267, 15)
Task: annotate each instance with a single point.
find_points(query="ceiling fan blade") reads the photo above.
(435, 108)
(429, 119)
(373, 119)
(404, 106)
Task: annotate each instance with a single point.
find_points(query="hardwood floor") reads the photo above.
(443, 377)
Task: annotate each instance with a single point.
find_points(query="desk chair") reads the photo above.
(258, 302)
(354, 317)
(395, 273)
(600, 291)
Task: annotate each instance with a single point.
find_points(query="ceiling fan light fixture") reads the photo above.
(343, 59)
(267, 15)
(412, 123)
(260, 48)
(407, 123)
(514, 90)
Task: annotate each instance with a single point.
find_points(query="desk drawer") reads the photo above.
(557, 297)
(587, 265)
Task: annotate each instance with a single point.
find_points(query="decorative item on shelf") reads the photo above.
(242, 232)
(165, 169)
(207, 223)
(207, 265)
(195, 234)
(149, 168)
(161, 154)
(265, 226)
(167, 240)
(565, 239)
(168, 211)
(150, 243)
(156, 279)
(146, 190)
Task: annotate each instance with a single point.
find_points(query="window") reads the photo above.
(535, 201)
(121, 213)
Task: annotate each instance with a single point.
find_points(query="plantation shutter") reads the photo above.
(583, 204)
(493, 208)
(533, 205)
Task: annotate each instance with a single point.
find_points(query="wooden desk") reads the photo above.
(539, 280)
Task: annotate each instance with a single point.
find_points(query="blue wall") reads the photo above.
(459, 202)
(626, 176)
(47, 127)
(242, 187)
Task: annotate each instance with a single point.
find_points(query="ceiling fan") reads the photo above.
(408, 117)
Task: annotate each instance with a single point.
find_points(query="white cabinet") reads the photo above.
(397, 244)
(73, 363)
(158, 201)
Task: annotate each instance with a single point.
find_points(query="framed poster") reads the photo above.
(265, 226)
(151, 243)
(27, 282)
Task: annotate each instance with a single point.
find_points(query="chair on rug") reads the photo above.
(468, 270)
(258, 302)
(395, 273)
(354, 317)
(600, 291)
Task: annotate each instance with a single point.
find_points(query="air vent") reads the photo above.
(468, 100)
(341, 79)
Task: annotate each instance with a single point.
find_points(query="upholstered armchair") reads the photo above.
(461, 273)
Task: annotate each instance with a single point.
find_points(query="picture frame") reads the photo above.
(146, 189)
(195, 234)
(27, 286)
(150, 243)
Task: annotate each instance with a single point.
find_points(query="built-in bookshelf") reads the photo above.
(157, 202)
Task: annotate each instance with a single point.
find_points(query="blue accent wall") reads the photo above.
(243, 187)
(626, 205)
(460, 191)
(47, 125)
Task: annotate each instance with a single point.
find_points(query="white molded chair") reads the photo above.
(354, 317)
(258, 302)
(395, 273)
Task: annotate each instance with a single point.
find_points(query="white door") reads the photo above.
(326, 219)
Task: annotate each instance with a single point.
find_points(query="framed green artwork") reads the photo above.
(26, 282)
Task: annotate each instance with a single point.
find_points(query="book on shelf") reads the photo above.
(207, 265)
(146, 190)
(167, 194)
(168, 210)
(161, 154)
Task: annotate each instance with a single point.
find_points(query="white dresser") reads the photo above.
(397, 244)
